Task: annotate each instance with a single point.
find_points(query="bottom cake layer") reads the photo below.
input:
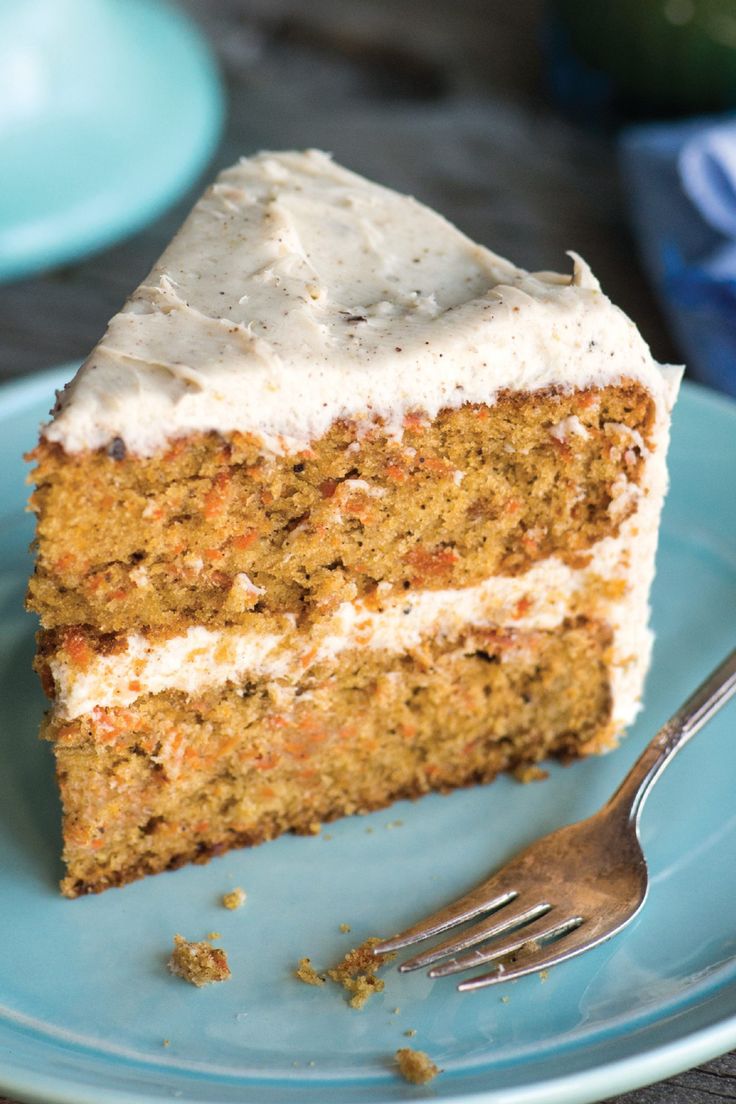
(174, 779)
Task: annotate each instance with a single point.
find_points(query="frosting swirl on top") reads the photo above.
(297, 292)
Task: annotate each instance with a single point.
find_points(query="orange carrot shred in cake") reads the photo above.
(343, 508)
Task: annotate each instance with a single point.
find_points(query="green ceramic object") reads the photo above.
(662, 55)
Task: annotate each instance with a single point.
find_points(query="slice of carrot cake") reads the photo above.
(342, 508)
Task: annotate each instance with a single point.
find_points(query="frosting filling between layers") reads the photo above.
(541, 599)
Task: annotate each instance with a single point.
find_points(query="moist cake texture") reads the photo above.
(342, 508)
(217, 529)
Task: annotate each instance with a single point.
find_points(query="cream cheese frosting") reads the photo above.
(297, 293)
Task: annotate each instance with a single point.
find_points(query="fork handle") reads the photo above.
(703, 704)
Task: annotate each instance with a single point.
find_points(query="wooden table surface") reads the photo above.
(447, 102)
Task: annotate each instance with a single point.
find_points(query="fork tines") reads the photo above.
(533, 944)
(464, 909)
(530, 952)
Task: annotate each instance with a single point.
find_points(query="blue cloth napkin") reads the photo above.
(681, 179)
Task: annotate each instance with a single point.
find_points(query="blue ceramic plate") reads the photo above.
(108, 110)
(85, 997)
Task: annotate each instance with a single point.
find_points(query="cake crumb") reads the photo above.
(234, 899)
(306, 972)
(410, 1032)
(345, 928)
(327, 835)
(165, 1042)
(198, 963)
(416, 1066)
(505, 1000)
(530, 772)
(357, 972)
(363, 988)
(543, 975)
(397, 1011)
(213, 935)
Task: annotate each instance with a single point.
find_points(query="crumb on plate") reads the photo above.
(416, 1066)
(306, 972)
(198, 963)
(234, 899)
(357, 972)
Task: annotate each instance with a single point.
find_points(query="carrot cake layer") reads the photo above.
(342, 507)
(213, 528)
(177, 777)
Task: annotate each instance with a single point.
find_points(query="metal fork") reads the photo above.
(571, 889)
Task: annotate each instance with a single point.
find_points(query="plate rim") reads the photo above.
(584, 1086)
(618, 1076)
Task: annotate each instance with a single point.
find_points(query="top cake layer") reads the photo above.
(297, 293)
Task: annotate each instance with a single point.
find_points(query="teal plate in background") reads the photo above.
(108, 111)
(85, 997)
